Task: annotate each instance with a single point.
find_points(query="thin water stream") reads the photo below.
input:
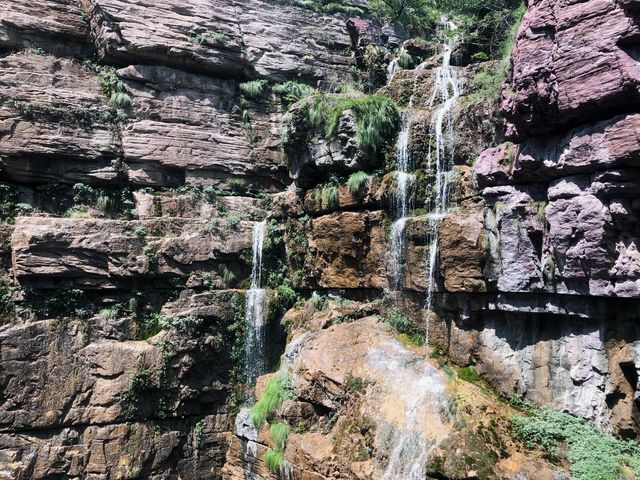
(446, 93)
(255, 304)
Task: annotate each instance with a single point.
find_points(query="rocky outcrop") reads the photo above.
(558, 235)
(354, 371)
(223, 38)
(132, 184)
(572, 62)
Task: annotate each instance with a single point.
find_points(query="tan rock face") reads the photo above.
(358, 373)
(462, 251)
(223, 38)
(346, 250)
(54, 24)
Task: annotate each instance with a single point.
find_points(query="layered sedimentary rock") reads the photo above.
(123, 322)
(559, 232)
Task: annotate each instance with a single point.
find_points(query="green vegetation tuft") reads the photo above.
(319, 302)
(330, 195)
(276, 392)
(357, 183)
(291, 92)
(130, 398)
(274, 459)
(404, 326)
(593, 455)
(377, 117)
(331, 7)
(109, 313)
(280, 433)
(405, 60)
(216, 38)
(486, 84)
(468, 374)
(254, 88)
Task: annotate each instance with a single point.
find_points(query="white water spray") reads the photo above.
(255, 345)
(417, 430)
(447, 91)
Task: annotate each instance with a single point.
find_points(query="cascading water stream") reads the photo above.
(401, 202)
(447, 90)
(255, 347)
(403, 181)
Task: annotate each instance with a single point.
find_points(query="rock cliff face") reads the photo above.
(136, 165)
(561, 236)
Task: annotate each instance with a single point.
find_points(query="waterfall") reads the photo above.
(401, 205)
(418, 425)
(255, 347)
(446, 91)
(392, 68)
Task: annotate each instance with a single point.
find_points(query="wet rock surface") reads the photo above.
(135, 168)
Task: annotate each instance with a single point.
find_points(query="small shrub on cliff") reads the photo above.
(130, 399)
(357, 183)
(593, 455)
(276, 392)
(7, 305)
(285, 298)
(112, 86)
(152, 257)
(8, 201)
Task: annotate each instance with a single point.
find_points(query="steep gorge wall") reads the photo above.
(538, 265)
(560, 219)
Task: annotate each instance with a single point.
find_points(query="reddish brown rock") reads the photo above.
(573, 62)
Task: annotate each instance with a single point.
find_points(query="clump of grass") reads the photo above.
(330, 195)
(109, 313)
(216, 38)
(593, 455)
(274, 459)
(404, 326)
(276, 392)
(318, 302)
(468, 374)
(357, 183)
(280, 433)
(291, 92)
(254, 88)
(377, 117)
(405, 60)
(357, 384)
